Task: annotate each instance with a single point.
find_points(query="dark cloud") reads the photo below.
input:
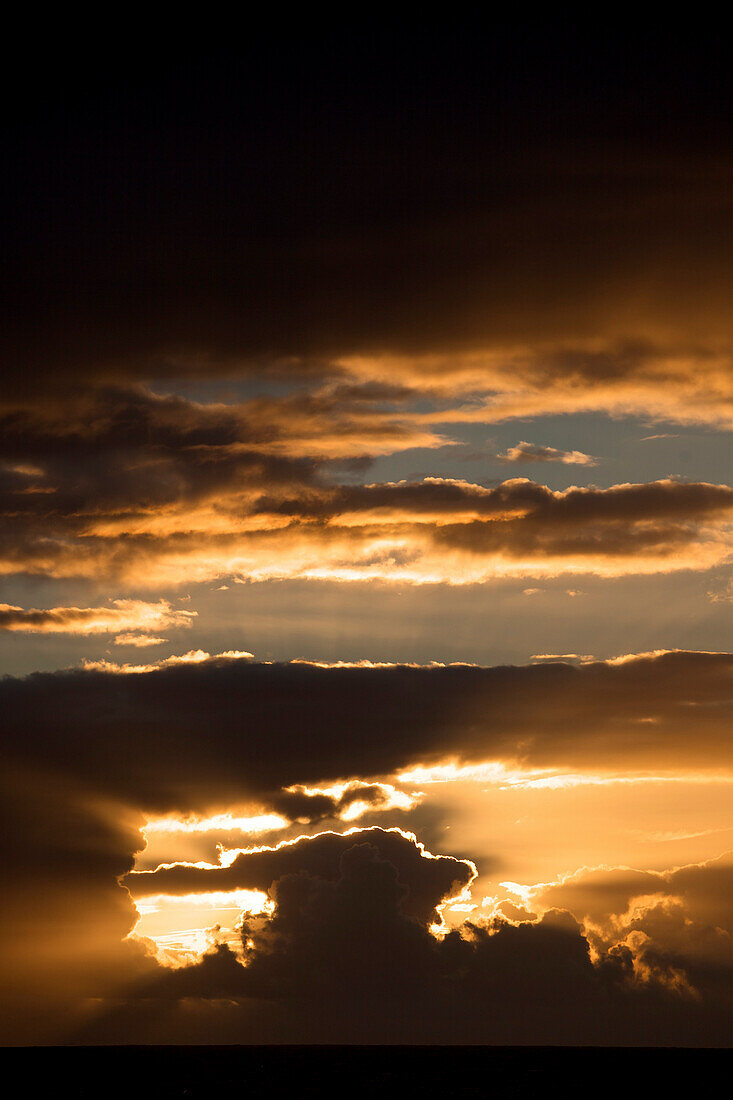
(341, 960)
(113, 450)
(705, 891)
(108, 478)
(522, 519)
(346, 954)
(308, 200)
(310, 806)
(666, 499)
(430, 878)
(673, 927)
(369, 237)
(187, 737)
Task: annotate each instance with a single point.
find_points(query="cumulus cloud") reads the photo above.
(673, 928)
(347, 951)
(345, 955)
(617, 898)
(533, 452)
(432, 878)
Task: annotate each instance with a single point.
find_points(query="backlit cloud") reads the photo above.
(350, 936)
(136, 618)
(533, 452)
(252, 520)
(187, 736)
(238, 729)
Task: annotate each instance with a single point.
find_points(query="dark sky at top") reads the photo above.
(313, 195)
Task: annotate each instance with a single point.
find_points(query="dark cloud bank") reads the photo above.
(347, 954)
(341, 960)
(187, 737)
(319, 195)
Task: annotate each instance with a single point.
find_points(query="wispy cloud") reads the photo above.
(137, 620)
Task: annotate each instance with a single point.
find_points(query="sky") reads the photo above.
(365, 561)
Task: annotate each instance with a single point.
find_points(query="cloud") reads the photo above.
(608, 898)
(723, 593)
(174, 502)
(193, 657)
(344, 955)
(344, 800)
(136, 618)
(396, 239)
(194, 735)
(347, 950)
(288, 809)
(126, 484)
(547, 220)
(583, 658)
(431, 878)
(673, 927)
(398, 318)
(532, 452)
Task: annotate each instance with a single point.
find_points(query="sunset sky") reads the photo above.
(366, 571)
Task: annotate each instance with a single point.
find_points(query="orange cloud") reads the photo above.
(434, 531)
(532, 452)
(136, 618)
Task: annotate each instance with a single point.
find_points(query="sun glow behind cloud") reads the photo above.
(228, 822)
(161, 912)
(211, 918)
(505, 776)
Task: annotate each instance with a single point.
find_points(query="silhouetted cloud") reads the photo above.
(343, 957)
(612, 899)
(347, 953)
(190, 733)
(410, 195)
(431, 878)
